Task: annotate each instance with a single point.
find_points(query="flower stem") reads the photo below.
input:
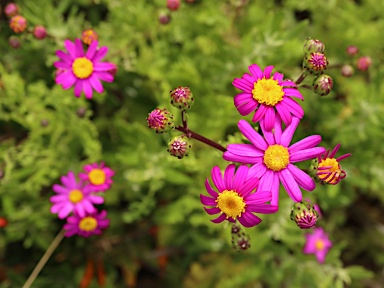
(194, 135)
(301, 78)
(44, 259)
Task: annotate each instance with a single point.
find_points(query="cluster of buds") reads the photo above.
(362, 63)
(315, 63)
(162, 121)
(240, 240)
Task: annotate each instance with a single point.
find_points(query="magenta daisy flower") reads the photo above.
(235, 199)
(88, 225)
(273, 156)
(267, 95)
(84, 71)
(73, 197)
(98, 176)
(318, 244)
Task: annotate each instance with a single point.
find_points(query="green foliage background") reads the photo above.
(160, 235)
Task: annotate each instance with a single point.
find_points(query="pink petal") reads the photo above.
(96, 199)
(284, 112)
(62, 65)
(294, 107)
(212, 211)
(87, 88)
(217, 179)
(247, 108)
(267, 72)
(208, 201)
(293, 92)
(279, 77)
(306, 154)
(211, 192)
(245, 150)
(302, 178)
(290, 185)
(250, 133)
(92, 50)
(308, 142)
(100, 54)
(103, 66)
(287, 135)
(69, 81)
(96, 84)
(256, 71)
(269, 118)
(240, 177)
(78, 87)
(104, 76)
(263, 208)
(242, 84)
(228, 156)
(242, 98)
(228, 176)
(260, 112)
(249, 220)
(79, 48)
(64, 212)
(64, 56)
(70, 46)
(249, 186)
(260, 197)
(257, 170)
(219, 219)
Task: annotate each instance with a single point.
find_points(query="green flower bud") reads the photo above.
(160, 120)
(179, 146)
(315, 63)
(304, 214)
(182, 98)
(322, 85)
(313, 45)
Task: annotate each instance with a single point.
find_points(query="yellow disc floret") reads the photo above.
(230, 203)
(334, 170)
(319, 244)
(88, 224)
(97, 176)
(268, 92)
(75, 196)
(82, 67)
(276, 157)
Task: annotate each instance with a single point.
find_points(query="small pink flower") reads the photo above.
(98, 176)
(317, 243)
(88, 225)
(267, 95)
(83, 70)
(236, 199)
(73, 196)
(272, 157)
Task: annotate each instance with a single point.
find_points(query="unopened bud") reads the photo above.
(352, 50)
(164, 19)
(315, 63)
(182, 98)
(160, 120)
(173, 5)
(179, 146)
(88, 36)
(3, 222)
(44, 123)
(304, 214)
(347, 70)
(322, 85)
(18, 24)
(313, 45)
(39, 32)
(14, 42)
(81, 112)
(363, 63)
(11, 10)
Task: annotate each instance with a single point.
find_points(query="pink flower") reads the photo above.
(88, 225)
(98, 176)
(267, 95)
(318, 244)
(235, 200)
(84, 71)
(73, 197)
(273, 156)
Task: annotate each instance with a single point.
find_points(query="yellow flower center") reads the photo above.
(97, 176)
(334, 170)
(319, 244)
(82, 67)
(75, 196)
(276, 157)
(88, 224)
(268, 92)
(230, 203)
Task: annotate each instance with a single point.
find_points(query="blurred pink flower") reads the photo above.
(88, 225)
(317, 243)
(267, 95)
(84, 71)
(73, 197)
(236, 200)
(273, 156)
(98, 176)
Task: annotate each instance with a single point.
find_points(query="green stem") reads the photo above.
(44, 259)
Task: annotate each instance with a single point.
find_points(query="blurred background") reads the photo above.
(160, 236)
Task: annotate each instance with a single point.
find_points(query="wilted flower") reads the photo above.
(179, 146)
(88, 225)
(326, 169)
(18, 24)
(160, 120)
(88, 36)
(317, 243)
(273, 157)
(74, 197)
(84, 71)
(236, 199)
(98, 176)
(264, 93)
(182, 98)
(39, 32)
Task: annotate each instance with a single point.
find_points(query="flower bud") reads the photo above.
(182, 98)
(11, 10)
(179, 146)
(164, 19)
(315, 63)
(322, 85)
(173, 5)
(160, 120)
(14, 42)
(44, 123)
(347, 70)
(352, 50)
(18, 24)
(113, 71)
(81, 112)
(3, 222)
(304, 214)
(39, 32)
(88, 36)
(240, 240)
(363, 63)
(313, 45)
